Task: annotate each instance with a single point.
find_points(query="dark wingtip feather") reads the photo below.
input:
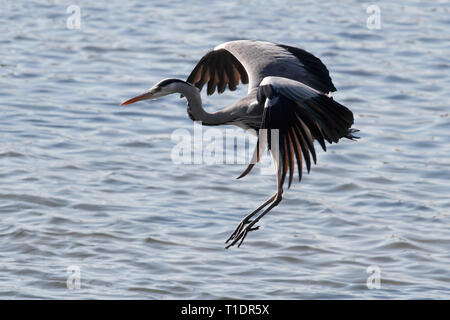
(221, 64)
(322, 80)
(246, 171)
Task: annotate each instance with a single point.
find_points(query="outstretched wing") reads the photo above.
(251, 61)
(299, 115)
(218, 68)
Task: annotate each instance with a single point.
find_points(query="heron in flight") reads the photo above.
(289, 93)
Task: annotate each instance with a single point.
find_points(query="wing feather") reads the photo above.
(250, 61)
(218, 68)
(301, 115)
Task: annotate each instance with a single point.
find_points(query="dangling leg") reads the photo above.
(245, 230)
(247, 220)
(246, 224)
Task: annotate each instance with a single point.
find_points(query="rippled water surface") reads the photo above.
(87, 183)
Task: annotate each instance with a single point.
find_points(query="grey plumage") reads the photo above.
(289, 92)
(260, 59)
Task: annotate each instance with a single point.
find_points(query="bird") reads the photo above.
(288, 106)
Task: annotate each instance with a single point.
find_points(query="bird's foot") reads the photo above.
(350, 134)
(239, 228)
(241, 232)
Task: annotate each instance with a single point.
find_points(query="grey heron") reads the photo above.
(289, 92)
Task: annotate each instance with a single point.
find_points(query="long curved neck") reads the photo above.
(194, 99)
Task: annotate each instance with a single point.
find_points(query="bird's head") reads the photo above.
(161, 89)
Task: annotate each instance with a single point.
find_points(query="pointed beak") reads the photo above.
(145, 96)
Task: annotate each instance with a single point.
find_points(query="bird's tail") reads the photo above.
(350, 134)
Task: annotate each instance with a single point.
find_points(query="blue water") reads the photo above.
(85, 182)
